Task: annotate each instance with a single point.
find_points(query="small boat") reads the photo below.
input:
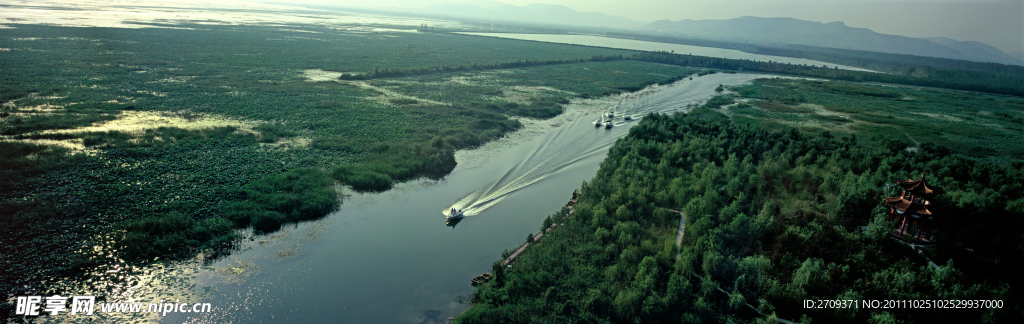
(608, 125)
(597, 123)
(482, 278)
(456, 214)
(627, 117)
(610, 114)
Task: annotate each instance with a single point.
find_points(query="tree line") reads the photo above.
(387, 72)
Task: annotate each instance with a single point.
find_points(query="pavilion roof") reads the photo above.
(919, 186)
(908, 206)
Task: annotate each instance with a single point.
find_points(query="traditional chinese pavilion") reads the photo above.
(913, 205)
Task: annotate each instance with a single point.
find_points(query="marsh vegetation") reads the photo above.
(177, 137)
(979, 125)
(161, 143)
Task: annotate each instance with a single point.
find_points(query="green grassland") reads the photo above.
(969, 123)
(537, 84)
(277, 141)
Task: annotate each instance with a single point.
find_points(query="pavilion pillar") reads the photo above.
(913, 201)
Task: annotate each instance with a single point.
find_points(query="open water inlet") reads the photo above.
(579, 139)
(379, 259)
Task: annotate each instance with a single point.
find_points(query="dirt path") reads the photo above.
(917, 145)
(680, 231)
(679, 245)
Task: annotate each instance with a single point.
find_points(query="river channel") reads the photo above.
(390, 258)
(639, 45)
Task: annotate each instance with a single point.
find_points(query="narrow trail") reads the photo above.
(917, 145)
(679, 245)
(917, 248)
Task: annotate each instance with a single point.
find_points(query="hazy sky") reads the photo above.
(999, 23)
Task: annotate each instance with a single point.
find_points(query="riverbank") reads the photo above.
(403, 230)
(772, 219)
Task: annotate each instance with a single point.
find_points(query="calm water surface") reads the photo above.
(632, 44)
(389, 258)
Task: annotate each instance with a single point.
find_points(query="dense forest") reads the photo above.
(889, 62)
(772, 218)
(389, 72)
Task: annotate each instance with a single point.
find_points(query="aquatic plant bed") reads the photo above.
(156, 143)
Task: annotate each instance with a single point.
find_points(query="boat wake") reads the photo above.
(579, 139)
(558, 151)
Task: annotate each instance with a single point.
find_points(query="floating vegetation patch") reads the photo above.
(945, 117)
(134, 122)
(525, 94)
(236, 271)
(175, 79)
(146, 128)
(27, 110)
(318, 75)
(290, 143)
(72, 144)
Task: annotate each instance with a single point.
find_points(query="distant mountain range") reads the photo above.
(756, 30)
(531, 13)
(782, 31)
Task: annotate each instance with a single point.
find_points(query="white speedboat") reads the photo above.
(456, 214)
